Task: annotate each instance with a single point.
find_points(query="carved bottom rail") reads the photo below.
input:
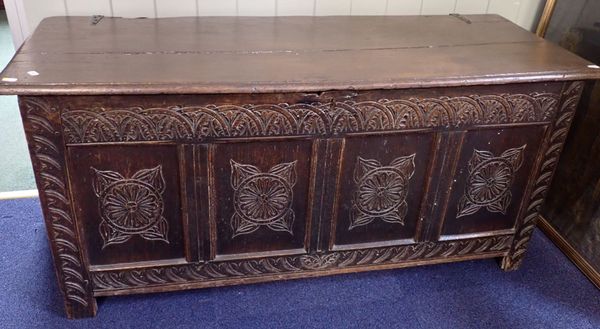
(231, 270)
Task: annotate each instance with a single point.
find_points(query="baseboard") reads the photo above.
(18, 194)
(568, 250)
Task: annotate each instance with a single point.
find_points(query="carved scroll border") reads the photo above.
(215, 271)
(196, 123)
(47, 154)
(553, 147)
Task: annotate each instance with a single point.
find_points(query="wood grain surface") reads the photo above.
(281, 54)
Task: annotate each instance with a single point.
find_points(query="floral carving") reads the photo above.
(489, 181)
(262, 199)
(131, 206)
(278, 267)
(381, 190)
(195, 123)
(318, 261)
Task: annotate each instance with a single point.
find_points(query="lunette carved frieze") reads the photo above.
(196, 123)
(45, 146)
(489, 181)
(131, 206)
(262, 198)
(109, 280)
(553, 148)
(381, 190)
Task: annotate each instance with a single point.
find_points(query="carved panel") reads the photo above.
(131, 206)
(260, 197)
(381, 190)
(128, 202)
(195, 123)
(221, 271)
(263, 199)
(381, 184)
(45, 146)
(489, 181)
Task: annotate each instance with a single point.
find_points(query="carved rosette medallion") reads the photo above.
(489, 181)
(381, 190)
(131, 206)
(262, 199)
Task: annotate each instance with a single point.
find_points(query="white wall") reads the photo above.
(24, 15)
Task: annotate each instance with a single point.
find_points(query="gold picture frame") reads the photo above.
(545, 18)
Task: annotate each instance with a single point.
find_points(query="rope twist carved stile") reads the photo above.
(552, 152)
(45, 148)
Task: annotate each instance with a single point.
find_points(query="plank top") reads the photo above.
(72, 55)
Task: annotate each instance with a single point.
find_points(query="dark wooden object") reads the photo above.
(185, 153)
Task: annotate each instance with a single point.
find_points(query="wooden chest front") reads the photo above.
(204, 190)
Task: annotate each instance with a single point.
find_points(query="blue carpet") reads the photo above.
(547, 292)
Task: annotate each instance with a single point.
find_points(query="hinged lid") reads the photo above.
(84, 55)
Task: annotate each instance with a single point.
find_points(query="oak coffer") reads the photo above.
(198, 152)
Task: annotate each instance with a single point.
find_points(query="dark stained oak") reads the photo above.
(245, 54)
(202, 152)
